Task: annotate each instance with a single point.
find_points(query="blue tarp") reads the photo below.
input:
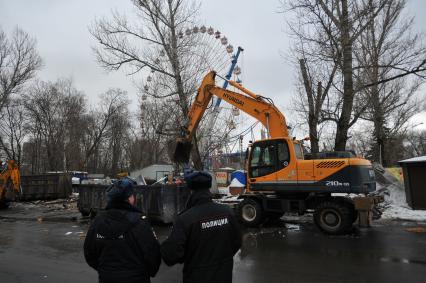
(240, 175)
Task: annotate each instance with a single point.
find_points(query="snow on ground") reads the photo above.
(396, 207)
(403, 213)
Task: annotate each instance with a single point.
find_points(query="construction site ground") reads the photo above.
(43, 242)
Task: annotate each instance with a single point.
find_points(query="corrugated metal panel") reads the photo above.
(161, 203)
(45, 186)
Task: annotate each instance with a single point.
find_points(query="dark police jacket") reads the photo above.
(205, 238)
(122, 246)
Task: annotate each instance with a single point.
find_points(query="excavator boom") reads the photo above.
(254, 105)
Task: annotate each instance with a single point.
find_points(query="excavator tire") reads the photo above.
(351, 206)
(334, 217)
(250, 212)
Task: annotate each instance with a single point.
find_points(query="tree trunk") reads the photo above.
(312, 111)
(348, 90)
(378, 115)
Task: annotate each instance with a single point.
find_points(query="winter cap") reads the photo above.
(198, 180)
(121, 190)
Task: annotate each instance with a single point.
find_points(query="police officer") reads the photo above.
(205, 237)
(120, 243)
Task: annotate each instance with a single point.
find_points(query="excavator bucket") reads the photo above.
(180, 150)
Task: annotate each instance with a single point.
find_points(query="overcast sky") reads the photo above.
(63, 40)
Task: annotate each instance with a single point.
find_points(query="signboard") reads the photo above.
(222, 178)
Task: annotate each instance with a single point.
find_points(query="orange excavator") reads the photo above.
(10, 183)
(279, 178)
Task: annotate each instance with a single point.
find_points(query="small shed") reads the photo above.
(153, 172)
(414, 172)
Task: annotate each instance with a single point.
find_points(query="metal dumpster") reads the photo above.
(45, 186)
(414, 172)
(160, 203)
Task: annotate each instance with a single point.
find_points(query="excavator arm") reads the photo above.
(254, 105)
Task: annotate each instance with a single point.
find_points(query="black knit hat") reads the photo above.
(121, 190)
(198, 180)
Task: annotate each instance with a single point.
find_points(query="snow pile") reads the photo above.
(403, 213)
(236, 184)
(395, 205)
(229, 198)
(393, 193)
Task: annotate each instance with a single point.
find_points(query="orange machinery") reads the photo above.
(10, 183)
(279, 179)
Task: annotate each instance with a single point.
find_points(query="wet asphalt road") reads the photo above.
(52, 252)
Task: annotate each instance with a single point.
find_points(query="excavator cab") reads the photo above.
(266, 158)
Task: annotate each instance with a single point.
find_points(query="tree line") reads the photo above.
(50, 126)
(361, 66)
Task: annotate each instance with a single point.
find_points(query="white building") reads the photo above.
(153, 172)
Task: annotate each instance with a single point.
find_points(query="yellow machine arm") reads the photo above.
(255, 105)
(10, 183)
(252, 104)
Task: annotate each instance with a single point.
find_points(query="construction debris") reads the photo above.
(58, 204)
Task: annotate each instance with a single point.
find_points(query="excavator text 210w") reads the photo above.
(279, 179)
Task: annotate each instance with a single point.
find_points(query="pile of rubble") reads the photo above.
(57, 204)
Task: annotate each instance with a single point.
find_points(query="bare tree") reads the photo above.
(311, 104)
(328, 34)
(139, 47)
(158, 45)
(416, 143)
(340, 23)
(12, 130)
(154, 119)
(118, 136)
(19, 62)
(98, 125)
(51, 109)
(387, 47)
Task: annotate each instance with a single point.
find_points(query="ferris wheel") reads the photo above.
(200, 49)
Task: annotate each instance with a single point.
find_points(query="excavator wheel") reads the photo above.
(350, 205)
(354, 212)
(334, 217)
(250, 212)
